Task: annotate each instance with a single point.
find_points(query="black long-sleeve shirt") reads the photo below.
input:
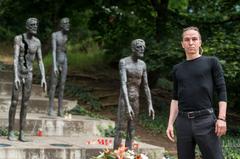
(195, 81)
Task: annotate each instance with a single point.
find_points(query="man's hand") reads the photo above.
(170, 133)
(44, 84)
(220, 128)
(17, 82)
(130, 112)
(151, 112)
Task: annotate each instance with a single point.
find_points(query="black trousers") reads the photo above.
(197, 131)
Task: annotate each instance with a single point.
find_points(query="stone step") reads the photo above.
(6, 90)
(58, 126)
(64, 148)
(36, 104)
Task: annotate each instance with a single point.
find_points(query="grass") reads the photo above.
(83, 56)
(79, 61)
(79, 110)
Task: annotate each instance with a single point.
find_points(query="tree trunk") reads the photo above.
(162, 17)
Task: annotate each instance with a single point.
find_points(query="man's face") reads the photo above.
(65, 24)
(139, 48)
(191, 42)
(32, 25)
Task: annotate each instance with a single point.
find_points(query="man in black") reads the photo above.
(195, 80)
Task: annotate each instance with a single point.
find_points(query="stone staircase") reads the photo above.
(62, 138)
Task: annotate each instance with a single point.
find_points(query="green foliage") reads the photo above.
(83, 95)
(4, 132)
(231, 147)
(83, 56)
(181, 5)
(164, 84)
(108, 27)
(167, 155)
(159, 124)
(117, 27)
(107, 132)
(79, 110)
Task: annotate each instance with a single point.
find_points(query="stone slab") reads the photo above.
(6, 90)
(42, 148)
(58, 126)
(36, 104)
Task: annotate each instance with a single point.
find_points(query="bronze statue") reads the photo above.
(27, 47)
(59, 69)
(133, 74)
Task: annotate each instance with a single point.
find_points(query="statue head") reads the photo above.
(65, 24)
(138, 47)
(32, 25)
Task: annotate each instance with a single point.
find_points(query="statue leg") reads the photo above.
(61, 88)
(27, 87)
(130, 134)
(131, 128)
(12, 112)
(120, 125)
(52, 92)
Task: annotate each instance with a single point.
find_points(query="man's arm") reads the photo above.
(148, 93)
(41, 67)
(220, 85)
(123, 79)
(172, 117)
(54, 47)
(17, 42)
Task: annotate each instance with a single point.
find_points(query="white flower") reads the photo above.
(143, 156)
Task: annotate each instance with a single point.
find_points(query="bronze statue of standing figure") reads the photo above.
(59, 68)
(27, 47)
(133, 74)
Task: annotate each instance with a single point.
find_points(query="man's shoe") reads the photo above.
(11, 136)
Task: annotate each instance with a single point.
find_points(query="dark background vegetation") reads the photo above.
(112, 24)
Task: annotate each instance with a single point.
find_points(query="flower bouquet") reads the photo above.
(121, 153)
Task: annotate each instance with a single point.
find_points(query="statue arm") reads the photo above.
(148, 92)
(54, 47)
(123, 79)
(17, 42)
(41, 67)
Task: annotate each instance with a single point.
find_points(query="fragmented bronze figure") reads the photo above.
(27, 47)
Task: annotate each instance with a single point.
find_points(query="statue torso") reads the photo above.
(27, 52)
(61, 42)
(134, 73)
